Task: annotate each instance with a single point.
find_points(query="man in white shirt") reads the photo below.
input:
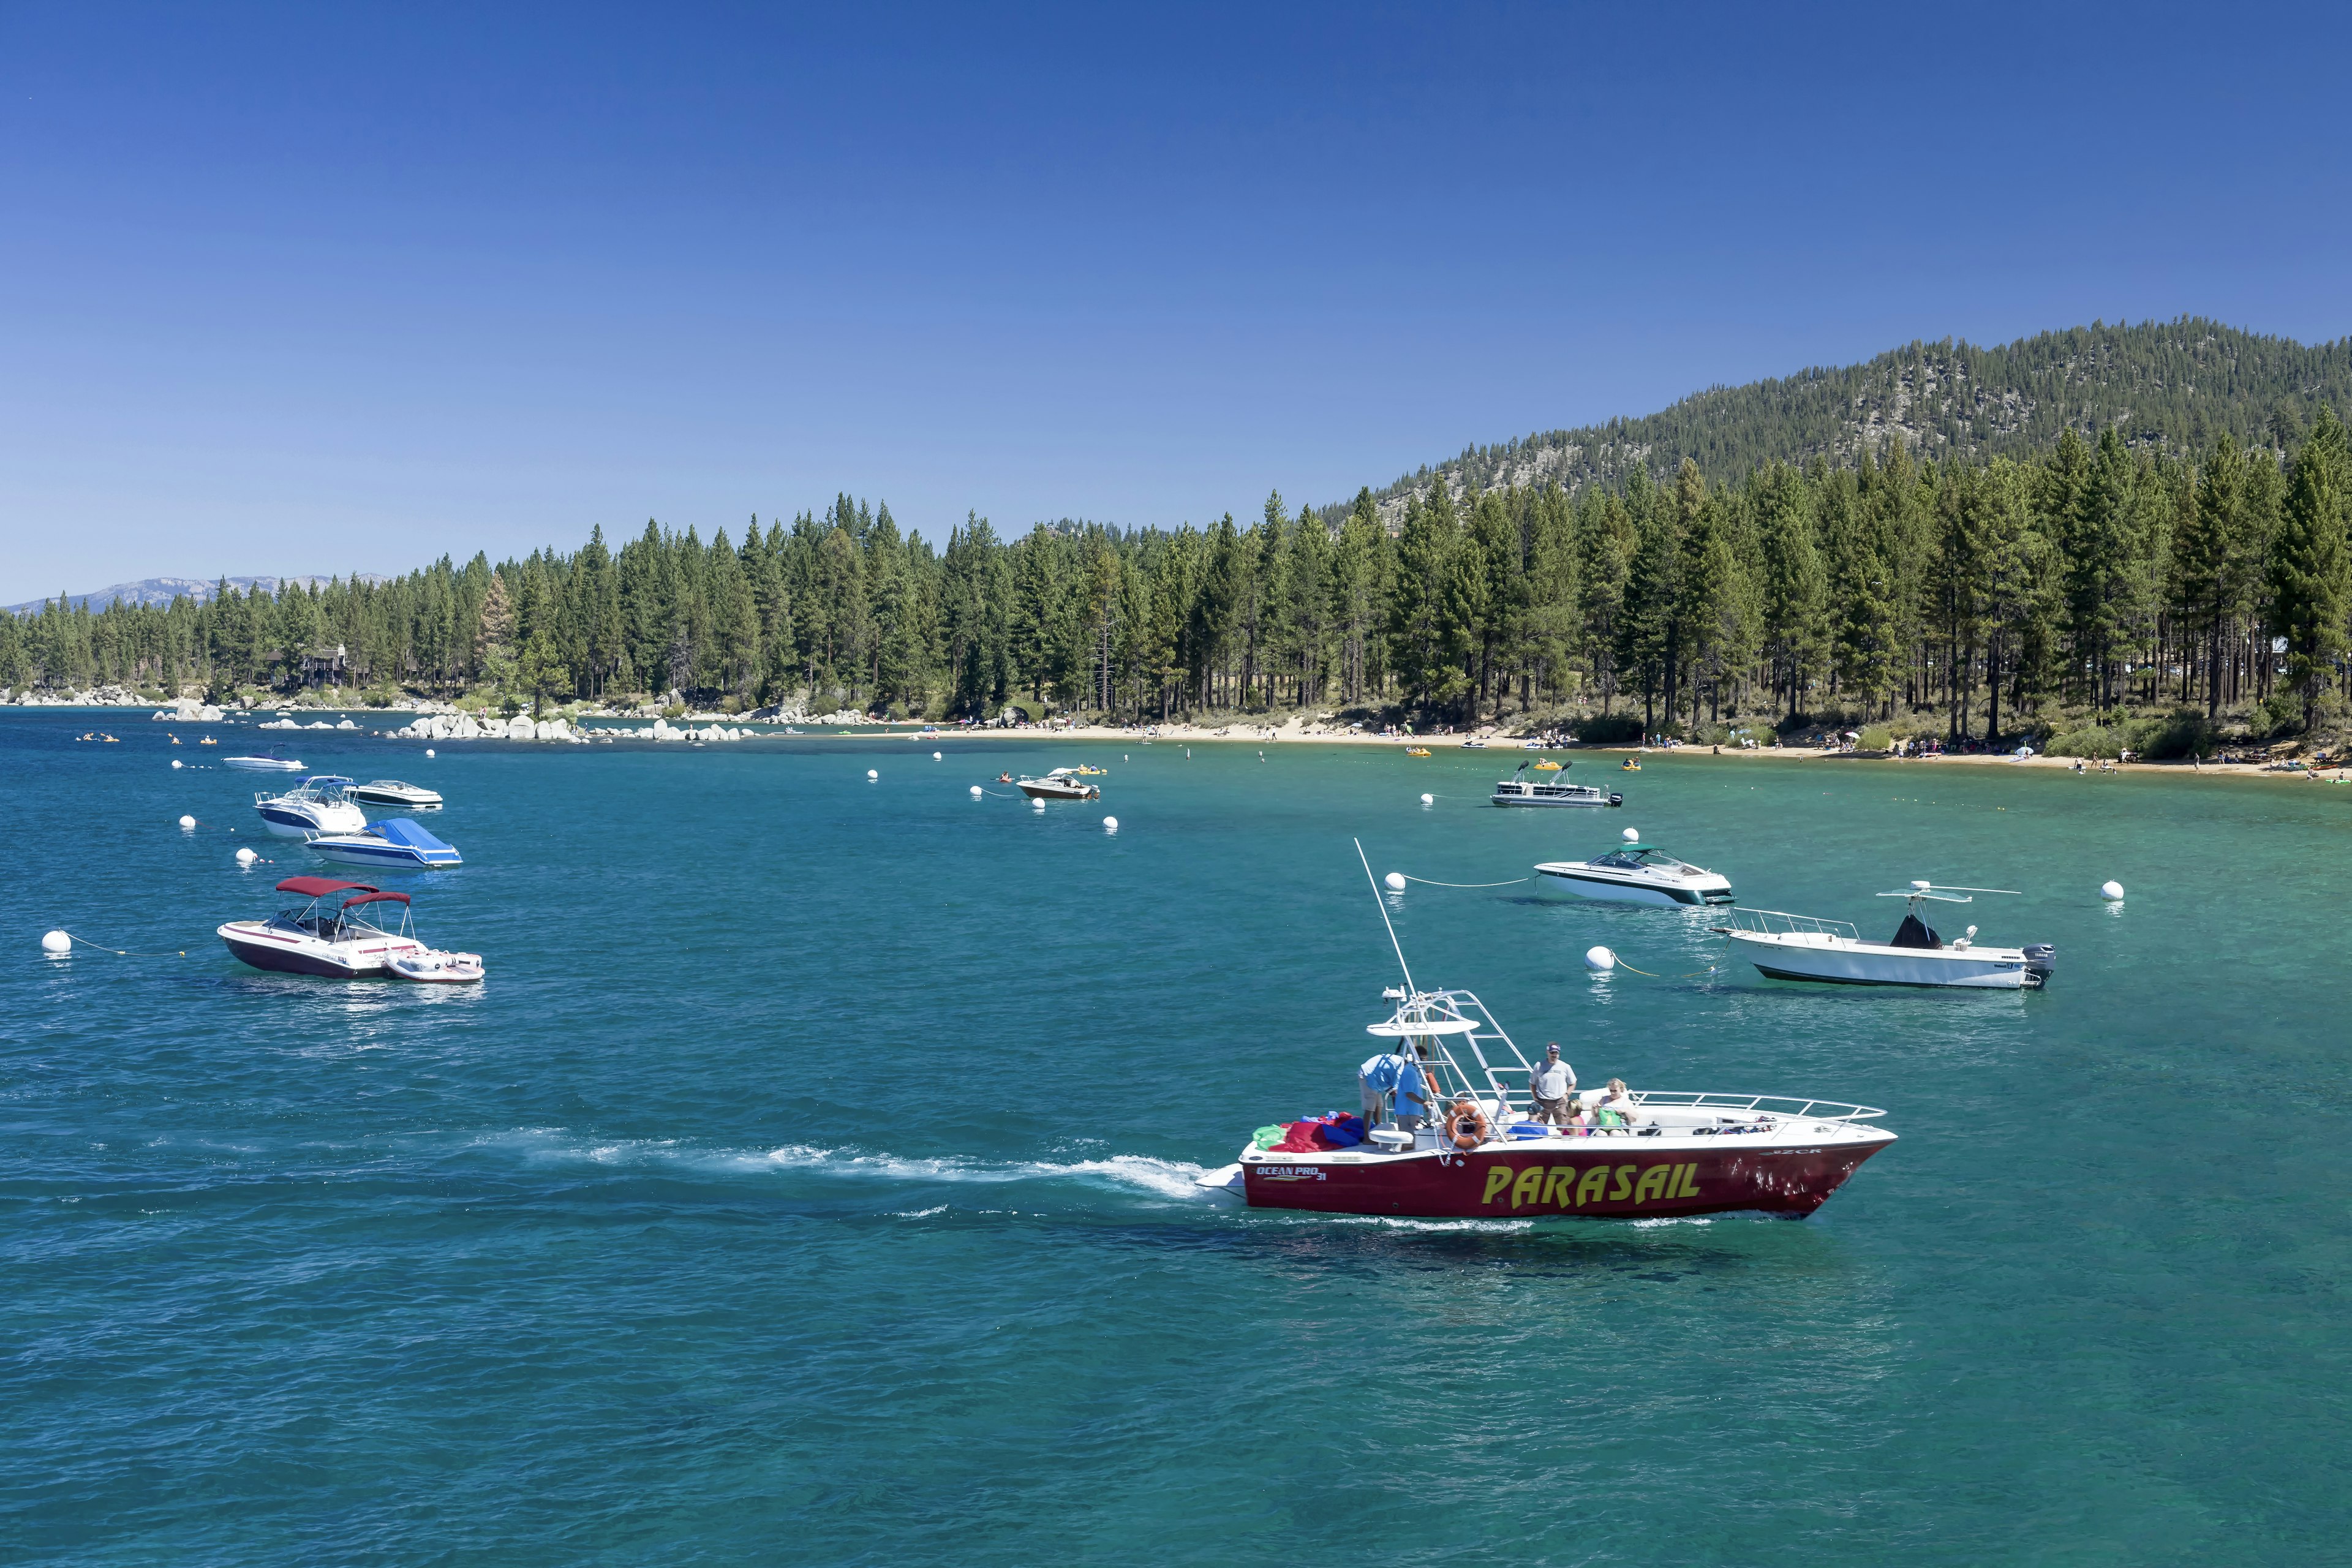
(1553, 1084)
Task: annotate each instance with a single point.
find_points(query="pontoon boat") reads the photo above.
(1516, 790)
(315, 806)
(328, 935)
(1784, 946)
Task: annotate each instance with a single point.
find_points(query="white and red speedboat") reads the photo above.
(1650, 1154)
(339, 937)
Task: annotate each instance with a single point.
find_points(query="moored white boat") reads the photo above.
(1635, 873)
(1783, 946)
(334, 934)
(273, 764)
(314, 806)
(1062, 784)
(396, 791)
(395, 844)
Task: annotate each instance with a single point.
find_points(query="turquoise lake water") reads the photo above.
(811, 1181)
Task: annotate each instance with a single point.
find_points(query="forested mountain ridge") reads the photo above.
(2167, 386)
(2142, 575)
(163, 590)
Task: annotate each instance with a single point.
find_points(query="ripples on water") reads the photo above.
(812, 1179)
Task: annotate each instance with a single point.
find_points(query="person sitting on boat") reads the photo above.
(1613, 1107)
(1553, 1085)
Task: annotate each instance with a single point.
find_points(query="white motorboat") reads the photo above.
(395, 844)
(272, 763)
(1517, 791)
(314, 806)
(335, 937)
(1784, 946)
(1062, 784)
(435, 967)
(395, 792)
(1635, 873)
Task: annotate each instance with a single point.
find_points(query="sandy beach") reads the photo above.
(1296, 731)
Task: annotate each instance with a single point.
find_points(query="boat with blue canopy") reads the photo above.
(395, 844)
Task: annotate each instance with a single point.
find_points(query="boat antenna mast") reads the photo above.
(1410, 988)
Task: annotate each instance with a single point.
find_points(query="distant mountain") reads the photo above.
(163, 590)
(2172, 386)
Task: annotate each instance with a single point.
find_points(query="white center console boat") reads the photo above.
(1784, 946)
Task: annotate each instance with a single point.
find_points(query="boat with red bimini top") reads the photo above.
(1620, 1154)
(337, 934)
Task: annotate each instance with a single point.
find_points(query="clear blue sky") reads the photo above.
(312, 289)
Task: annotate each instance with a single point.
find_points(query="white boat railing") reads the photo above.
(1780, 922)
(1761, 1104)
(1445, 1006)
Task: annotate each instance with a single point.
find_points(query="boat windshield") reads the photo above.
(1645, 859)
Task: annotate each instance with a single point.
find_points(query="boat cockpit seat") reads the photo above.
(1915, 932)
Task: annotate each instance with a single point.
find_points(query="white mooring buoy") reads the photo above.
(871, 776)
(1110, 824)
(1395, 879)
(1632, 835)
(175, 761)
(1038, 804)
(428, 750)
(2111, 892)
(935, 756)
(246, 856)
(1428, 800)
(976, 792)
(56, 943)
(187, 822)
(1600, 960)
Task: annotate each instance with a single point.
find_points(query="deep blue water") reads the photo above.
(811, 1181)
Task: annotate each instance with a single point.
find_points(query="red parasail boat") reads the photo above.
(1647, 1154)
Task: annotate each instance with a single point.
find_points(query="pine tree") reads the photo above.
(1793, 587)
(2311, 571)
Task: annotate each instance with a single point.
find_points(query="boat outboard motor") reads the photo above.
(2040, 958)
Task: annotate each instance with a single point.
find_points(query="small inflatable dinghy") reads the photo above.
(435, 967)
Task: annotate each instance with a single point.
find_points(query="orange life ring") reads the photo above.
(1467, 1126)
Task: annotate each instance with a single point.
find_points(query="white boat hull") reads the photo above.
(268, 944)
(1688, 893)
(379, 856)
(1836, 961)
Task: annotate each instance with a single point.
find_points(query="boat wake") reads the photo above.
(1134, 1172)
